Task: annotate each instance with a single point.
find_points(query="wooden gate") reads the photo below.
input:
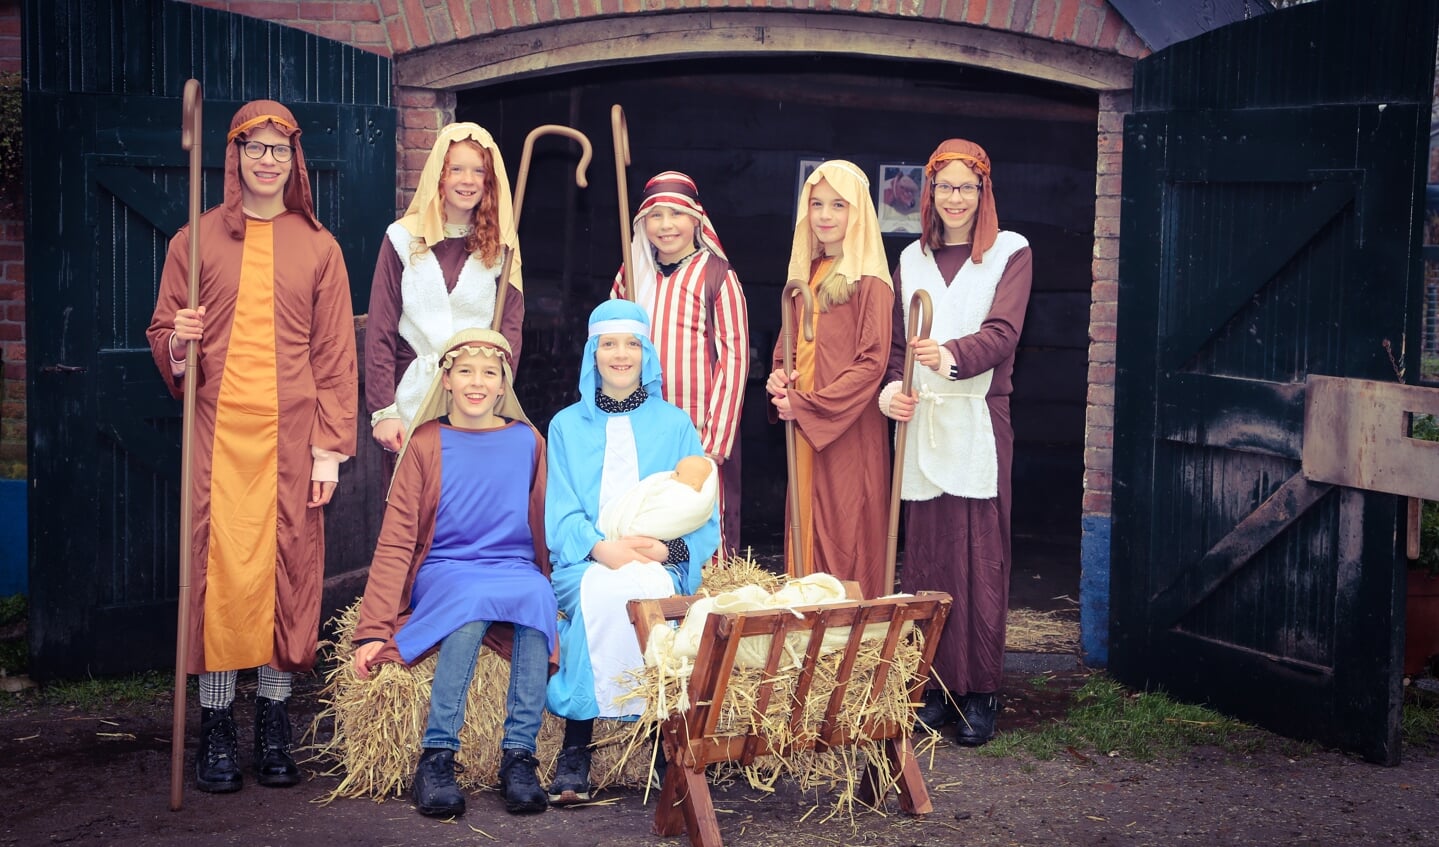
(1272, 214)
(107, 188)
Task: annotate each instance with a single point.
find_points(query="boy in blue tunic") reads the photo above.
(462, 547)
(620, 432)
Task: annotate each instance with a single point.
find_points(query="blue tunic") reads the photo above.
(576, 446)
(481, 563)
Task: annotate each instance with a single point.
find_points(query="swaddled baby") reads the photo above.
(667, 504)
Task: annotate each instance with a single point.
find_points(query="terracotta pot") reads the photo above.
(1421, 627)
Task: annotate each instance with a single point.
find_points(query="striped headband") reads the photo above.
(619, 325)
(943, 159)
(284, 125)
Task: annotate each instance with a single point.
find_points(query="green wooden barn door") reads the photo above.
(107, 190)
(1271, 231)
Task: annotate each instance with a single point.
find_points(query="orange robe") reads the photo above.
(264, 398)
(843, 458)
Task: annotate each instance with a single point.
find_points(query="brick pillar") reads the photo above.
(1099, 417)
(12, 345)
(423, 112)
(12, 279)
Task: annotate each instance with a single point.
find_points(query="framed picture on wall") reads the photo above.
(897, 198)
(806, 167)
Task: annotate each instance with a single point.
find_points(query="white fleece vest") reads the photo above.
(430, 314)
(949, 444)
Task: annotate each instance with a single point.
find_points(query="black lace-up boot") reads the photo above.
(274, 766)
(216, 767)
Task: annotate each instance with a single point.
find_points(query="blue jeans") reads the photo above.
(529, 673)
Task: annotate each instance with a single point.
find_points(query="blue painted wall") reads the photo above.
(14, 552)
(1094, 591)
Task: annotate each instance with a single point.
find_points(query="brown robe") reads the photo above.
(958, 544)
(842, 424)
(387, 355)
(408, 532)
(314, 356)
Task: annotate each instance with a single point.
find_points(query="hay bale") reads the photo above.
(375, 726)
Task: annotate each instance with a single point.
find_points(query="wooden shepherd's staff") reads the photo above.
(586, 151)
(620, 130)
(921, 308)
(797, 566)
(189, 140)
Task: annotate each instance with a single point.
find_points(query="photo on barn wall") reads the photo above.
(897, 198)
(806, 167)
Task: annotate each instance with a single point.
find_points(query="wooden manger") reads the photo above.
(694, 738)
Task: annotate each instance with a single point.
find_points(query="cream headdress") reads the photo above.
(425, 218)
(861, 254)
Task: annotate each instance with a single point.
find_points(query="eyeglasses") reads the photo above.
(968, 191)
(256, 150)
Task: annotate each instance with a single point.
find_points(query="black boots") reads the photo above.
(274, 766)
(977, 714)
(937, 711)
(519, 784)
(435, 792)
(572, 777)
(216, 767)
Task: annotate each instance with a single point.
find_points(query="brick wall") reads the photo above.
(12, 285)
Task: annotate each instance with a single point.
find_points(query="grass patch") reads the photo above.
(14, 654)
(95, 695)
(1109, 719)
(1420, 722)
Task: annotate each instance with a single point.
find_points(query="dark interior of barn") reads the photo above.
(741, 126)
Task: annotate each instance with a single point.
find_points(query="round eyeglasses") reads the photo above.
(256, 150)
(968, 191)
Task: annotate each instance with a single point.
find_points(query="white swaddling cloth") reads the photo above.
(673, 650)
(660, 506)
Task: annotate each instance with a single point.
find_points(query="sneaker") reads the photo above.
(519, 784)
(274, 766)
(977, 714)
(936, 711)
(217, 767)
(572, 777)
(435, 793)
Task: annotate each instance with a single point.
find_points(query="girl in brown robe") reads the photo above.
(842, 456)
(274, 418)
(959, 449)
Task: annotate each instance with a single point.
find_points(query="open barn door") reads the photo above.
(1271, 234)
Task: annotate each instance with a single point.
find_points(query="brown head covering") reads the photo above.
(254, 114)
(986, 220)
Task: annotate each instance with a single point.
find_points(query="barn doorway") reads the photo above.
(741, 126)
